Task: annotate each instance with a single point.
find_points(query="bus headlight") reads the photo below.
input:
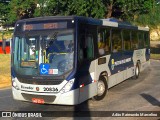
(14, 84)
(68, 86)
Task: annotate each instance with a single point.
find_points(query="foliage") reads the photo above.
(130, 10)
(20, 9)
(87, 8)
(152, 19)
(4, 9)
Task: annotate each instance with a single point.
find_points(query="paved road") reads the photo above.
(142, 94)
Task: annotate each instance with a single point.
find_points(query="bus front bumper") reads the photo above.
(68, 98)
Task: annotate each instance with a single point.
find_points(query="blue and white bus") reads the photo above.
(67, 60)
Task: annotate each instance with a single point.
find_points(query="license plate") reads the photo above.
(38, 100)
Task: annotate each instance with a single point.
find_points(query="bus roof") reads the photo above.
(121, 24)
(111, 22)
(46, 18)
(81, 18)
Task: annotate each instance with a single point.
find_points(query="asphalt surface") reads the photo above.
(142, 94)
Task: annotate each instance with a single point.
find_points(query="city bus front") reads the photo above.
(43, 61)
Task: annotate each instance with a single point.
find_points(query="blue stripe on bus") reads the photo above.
(12, 73)
(120, 61)
(82, 76)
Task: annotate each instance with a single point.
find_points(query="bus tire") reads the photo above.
(137, 71)
(102, 89)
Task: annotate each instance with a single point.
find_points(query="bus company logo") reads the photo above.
(50, 89)
(37, 88)
(112, 66)
(112, 61)
(26, 87)
(120, 62)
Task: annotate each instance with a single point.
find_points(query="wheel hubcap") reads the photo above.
(137, 71)
(101, 88)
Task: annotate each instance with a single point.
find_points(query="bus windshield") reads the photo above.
(48, 52)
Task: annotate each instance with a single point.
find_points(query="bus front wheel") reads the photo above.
(102, 88)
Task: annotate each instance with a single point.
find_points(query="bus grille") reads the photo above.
(40, 82)
(47, 99)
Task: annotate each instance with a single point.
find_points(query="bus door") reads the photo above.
(86, 62)
(116, 60)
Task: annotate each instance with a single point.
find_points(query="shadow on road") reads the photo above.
(151, 99)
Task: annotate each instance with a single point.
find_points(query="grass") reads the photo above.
(155, 56)
(5, 77)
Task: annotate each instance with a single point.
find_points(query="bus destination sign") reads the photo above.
(44, 26)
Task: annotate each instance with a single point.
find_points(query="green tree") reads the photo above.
(151, 19)
(4, 9)
(127, 9)
(89, 8)
(20, 9)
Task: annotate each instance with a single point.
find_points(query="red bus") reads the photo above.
(6, 49)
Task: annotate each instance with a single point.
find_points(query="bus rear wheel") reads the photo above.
(137, 72)
(102, 89)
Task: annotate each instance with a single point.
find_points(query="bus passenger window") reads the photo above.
(116, 41)
(141, 39)
(127, 41)
(115, 48)
(101, 48)
(146, 39)
(134, 39)
(100, 43)
(104, 41)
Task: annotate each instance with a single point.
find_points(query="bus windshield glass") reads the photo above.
(45, 52)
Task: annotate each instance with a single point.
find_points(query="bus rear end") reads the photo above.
(43, 61)
(5, 47)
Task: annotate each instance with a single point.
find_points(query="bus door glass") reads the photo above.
(86, 63)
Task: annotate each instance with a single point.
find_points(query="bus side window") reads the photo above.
(134, 38)
(104, 41)
(146, 39)
(126, 40)
(116, 41)
(141, 39)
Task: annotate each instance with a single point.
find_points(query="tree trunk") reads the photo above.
(109, 10)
